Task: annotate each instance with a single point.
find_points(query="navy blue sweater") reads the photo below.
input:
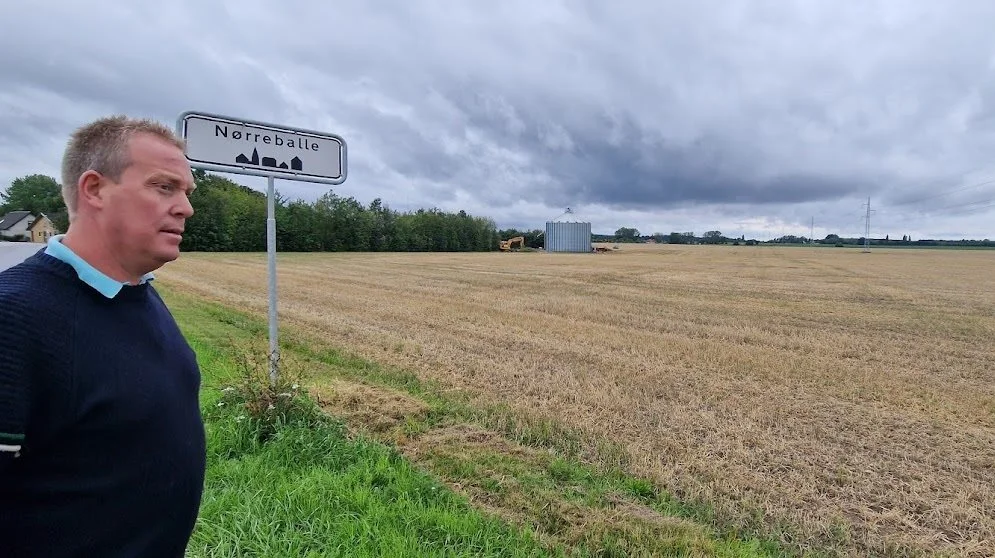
(101, 395)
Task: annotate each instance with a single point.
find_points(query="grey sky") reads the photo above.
(746, 117)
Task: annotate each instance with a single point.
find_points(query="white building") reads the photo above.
(23, 225)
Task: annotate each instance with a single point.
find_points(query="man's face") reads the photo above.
(146, 210)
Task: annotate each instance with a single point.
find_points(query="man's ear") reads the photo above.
(90, 189)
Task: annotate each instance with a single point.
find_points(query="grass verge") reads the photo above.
(296, 484)
(374, 462)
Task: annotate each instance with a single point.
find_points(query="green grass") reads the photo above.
(310, 487)
(312, 490)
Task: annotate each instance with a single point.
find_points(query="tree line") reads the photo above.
(626, 234)
(629, 234)
(229, 217)
(534, 237)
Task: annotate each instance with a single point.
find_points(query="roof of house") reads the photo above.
(13, 218)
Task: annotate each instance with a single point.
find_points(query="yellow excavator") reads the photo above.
(508, 245)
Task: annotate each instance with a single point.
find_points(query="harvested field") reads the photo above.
(850, 395)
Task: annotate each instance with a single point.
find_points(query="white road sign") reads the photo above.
(246, 147)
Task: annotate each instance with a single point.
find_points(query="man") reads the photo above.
(102, 449)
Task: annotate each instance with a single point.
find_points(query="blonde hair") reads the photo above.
(103, 146)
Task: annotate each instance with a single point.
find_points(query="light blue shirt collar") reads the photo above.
(87, 273)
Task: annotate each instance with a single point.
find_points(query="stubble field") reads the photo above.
(847, 394)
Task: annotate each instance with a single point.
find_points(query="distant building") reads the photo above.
(568, 237)
(26, 226)
(42, 229)
(15, 225)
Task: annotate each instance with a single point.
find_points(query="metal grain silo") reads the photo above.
(567, 237)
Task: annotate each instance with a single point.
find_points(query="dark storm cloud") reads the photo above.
(638, 112)
(616, 162)
(129, 58)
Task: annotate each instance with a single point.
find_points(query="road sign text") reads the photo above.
(275, 139)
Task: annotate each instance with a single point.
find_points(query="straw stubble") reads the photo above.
(849, 394)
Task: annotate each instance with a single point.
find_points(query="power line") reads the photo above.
(941, 194)
(989, 204)
(952, 206)
(960, 205)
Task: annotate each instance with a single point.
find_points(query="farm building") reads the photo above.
(562, 236)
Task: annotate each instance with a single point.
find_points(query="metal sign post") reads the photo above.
(241, 146)
(274, 345)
